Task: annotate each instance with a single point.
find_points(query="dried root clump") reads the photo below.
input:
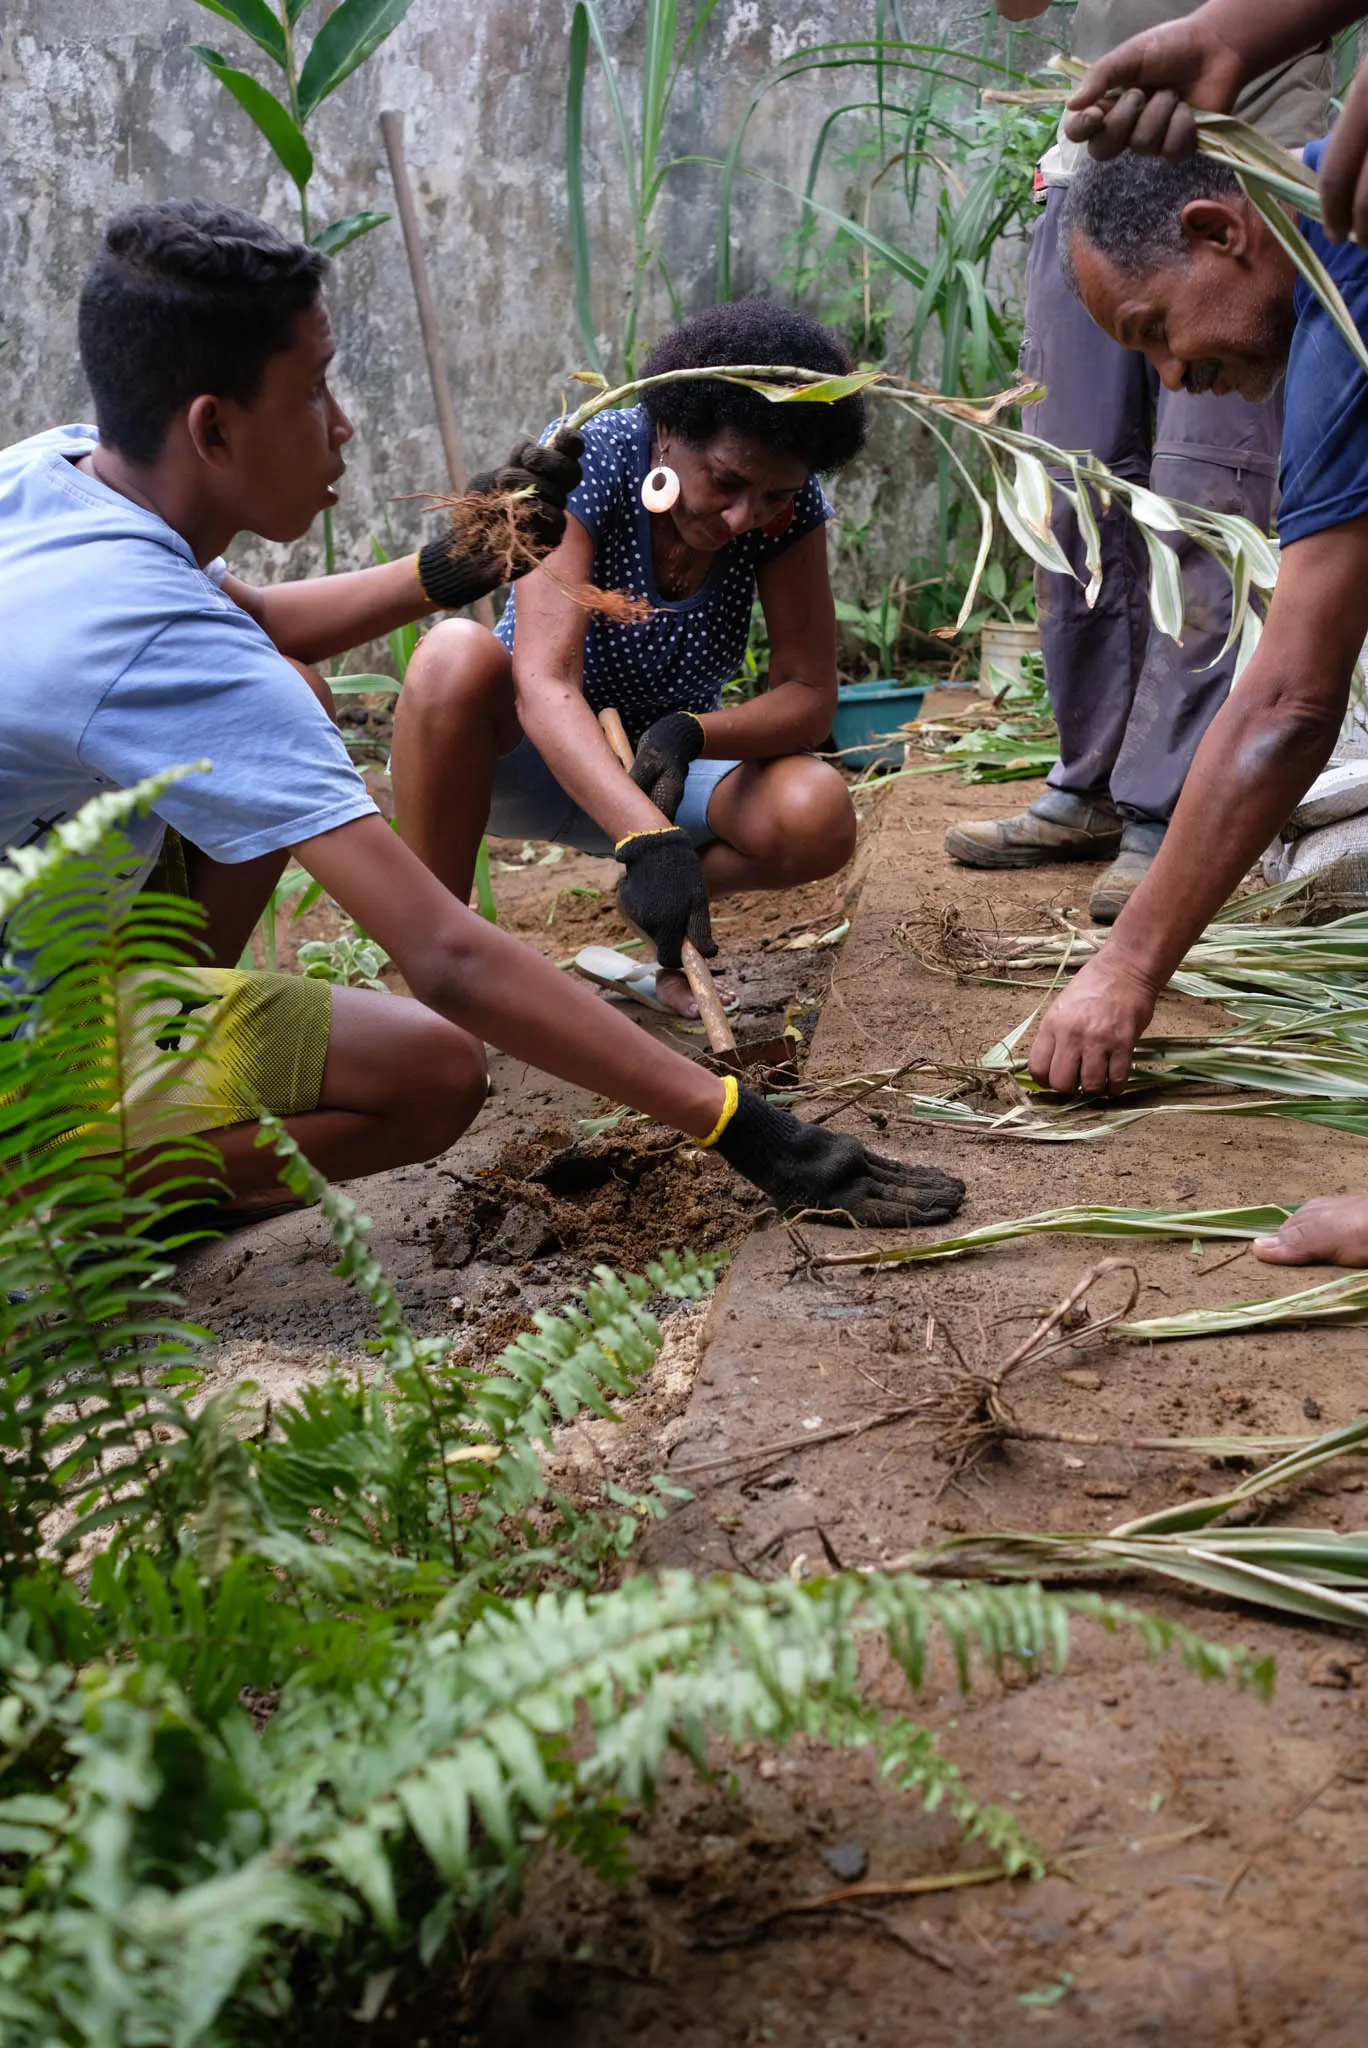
(943, 940)
(499, 524)
(969, 1409)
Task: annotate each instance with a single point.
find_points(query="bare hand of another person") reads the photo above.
(1331, 1231)
(1087, 1036)
(1159, 78)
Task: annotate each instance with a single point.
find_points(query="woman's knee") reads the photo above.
(459, 654)
(457, 668)
(808, 822)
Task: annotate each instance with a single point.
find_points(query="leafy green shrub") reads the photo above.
(289, 1697)
(347, 962)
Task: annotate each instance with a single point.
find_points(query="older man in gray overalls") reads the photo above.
(1131, 704)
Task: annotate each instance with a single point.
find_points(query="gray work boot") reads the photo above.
(1139, 844)
(1057, 826)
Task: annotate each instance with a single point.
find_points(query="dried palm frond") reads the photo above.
(1099, 1221)
(1023, 489)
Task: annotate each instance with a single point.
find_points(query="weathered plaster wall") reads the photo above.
(102, 103)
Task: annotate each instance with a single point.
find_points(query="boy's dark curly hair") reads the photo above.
(186, 299)
(755, 331)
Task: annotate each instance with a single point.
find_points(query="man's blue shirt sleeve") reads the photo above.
(1325, 425)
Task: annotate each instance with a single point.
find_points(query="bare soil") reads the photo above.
(1150, 1790)
(1208, 1848)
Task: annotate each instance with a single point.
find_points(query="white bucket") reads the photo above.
(1002, 651)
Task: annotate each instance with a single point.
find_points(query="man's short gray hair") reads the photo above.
(1131, 209)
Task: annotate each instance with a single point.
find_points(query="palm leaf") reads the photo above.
(1192, 1224)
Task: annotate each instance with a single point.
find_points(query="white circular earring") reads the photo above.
(661, 488)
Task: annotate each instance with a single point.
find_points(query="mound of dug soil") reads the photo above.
(618, 1200)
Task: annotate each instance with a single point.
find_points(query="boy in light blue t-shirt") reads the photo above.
(128, 648)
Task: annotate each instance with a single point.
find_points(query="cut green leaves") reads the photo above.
(1025, 496)
(1318, 1575)
(1077, 1222)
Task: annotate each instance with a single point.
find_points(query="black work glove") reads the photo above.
(664, 894)
(453, 574)
(663, 756)
(805, 1166)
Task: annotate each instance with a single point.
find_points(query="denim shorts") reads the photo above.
(529, 803)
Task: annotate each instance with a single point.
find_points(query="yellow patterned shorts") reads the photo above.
(205, 1047)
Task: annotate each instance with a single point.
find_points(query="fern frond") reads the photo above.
(28, 869)
(428, 1457)
(93, 1350)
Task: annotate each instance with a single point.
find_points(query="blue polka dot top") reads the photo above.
(682, 656)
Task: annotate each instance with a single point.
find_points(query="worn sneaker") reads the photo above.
(1139, 844)
(1058, 826)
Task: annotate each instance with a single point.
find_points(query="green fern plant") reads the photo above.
(92, 1344)
(444, 1681)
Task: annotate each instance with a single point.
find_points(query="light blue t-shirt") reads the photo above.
(120, 656)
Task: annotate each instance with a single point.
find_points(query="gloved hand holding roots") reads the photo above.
(503, 523)
(805, 1167)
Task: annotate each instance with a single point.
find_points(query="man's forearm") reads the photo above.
(1265, 33)
(1259, 757)
(327, 615)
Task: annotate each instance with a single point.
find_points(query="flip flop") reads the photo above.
(630, 978)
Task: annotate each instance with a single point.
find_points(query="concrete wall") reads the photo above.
(103, 103)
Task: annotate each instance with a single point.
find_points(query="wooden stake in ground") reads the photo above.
(392, 129)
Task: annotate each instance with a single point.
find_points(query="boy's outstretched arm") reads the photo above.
(496, 987)
(326, 615)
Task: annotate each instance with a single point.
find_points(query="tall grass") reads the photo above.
(640, 137)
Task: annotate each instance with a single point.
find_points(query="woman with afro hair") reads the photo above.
(695, 500)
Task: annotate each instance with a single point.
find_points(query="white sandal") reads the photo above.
(634, 978)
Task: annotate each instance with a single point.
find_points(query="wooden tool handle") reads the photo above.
(392, 130)
(720, 1035)
(615, 732)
